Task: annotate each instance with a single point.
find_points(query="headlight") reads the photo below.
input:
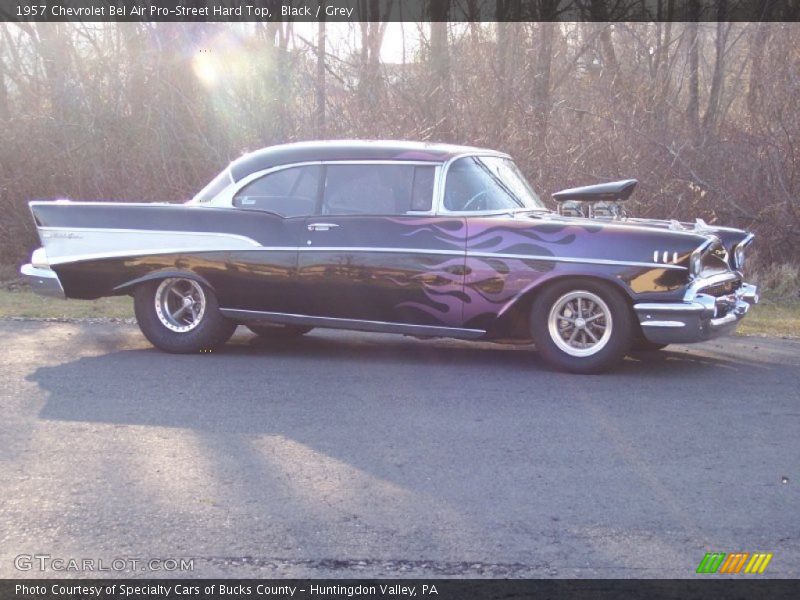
(740, 251)
(711, 247)
(738, 257)
(696, 263)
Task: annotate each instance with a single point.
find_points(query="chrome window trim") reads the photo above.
(226, 196)
(439, 208)
(194, 199)
(358, 324)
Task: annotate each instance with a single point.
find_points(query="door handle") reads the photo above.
(321, 226)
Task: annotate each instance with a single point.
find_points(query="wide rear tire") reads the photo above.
(181, 316)
(581, 326)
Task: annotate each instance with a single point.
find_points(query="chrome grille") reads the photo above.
(721, 289)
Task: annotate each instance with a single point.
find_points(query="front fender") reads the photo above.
(526, 293)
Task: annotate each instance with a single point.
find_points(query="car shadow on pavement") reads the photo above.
(171, 390)
(351, 446)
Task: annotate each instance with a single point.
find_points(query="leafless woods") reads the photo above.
(704, 115)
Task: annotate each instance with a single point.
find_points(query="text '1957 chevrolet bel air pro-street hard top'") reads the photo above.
(399, 237)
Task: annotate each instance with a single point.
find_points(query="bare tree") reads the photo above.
(703, 114)
(321, 51)
(440, 70)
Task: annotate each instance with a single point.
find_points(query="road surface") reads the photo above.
(361, 455)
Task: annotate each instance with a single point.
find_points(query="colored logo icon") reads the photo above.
(739, 562)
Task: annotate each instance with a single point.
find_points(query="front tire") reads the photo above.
(581, 326)
(181, 316)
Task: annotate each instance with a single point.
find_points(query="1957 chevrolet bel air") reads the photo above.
(400, 237)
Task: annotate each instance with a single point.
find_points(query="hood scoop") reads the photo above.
(595, 201)
(614, 191)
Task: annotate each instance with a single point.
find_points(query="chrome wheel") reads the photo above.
(580, 323)
(180, 304)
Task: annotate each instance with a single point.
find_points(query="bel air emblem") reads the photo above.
(65, 235)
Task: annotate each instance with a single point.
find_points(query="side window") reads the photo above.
(377, 189)
(422, 190)
(289, 192)
(474, 184)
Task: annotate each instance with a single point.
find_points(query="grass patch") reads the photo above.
(772, 318)
(24, 303)
(767, 318)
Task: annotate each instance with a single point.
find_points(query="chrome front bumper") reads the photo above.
(43, 281)
(698, 318)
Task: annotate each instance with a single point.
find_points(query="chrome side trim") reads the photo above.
(44, 282)
(668, 307)
(235, 236)
(561, 259)
(68, 202)
(62, 260)
(355, 324)
(663, 324)
(379, 250)
(76, 244)
(564, 259)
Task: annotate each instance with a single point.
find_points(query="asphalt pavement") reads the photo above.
(361, 455)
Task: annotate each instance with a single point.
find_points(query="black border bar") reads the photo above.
(399, 10)
(399, 589)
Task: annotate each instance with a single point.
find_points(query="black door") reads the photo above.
(368, 256)
(265, 279)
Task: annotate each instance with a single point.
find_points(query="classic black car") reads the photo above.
(400, 237)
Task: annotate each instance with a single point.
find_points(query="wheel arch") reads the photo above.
(514, 317)
(128, 286)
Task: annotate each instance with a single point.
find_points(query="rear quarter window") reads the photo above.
(288, 192)
(377, 189)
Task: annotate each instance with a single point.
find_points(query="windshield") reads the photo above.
(487, 183)
(219, 183)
